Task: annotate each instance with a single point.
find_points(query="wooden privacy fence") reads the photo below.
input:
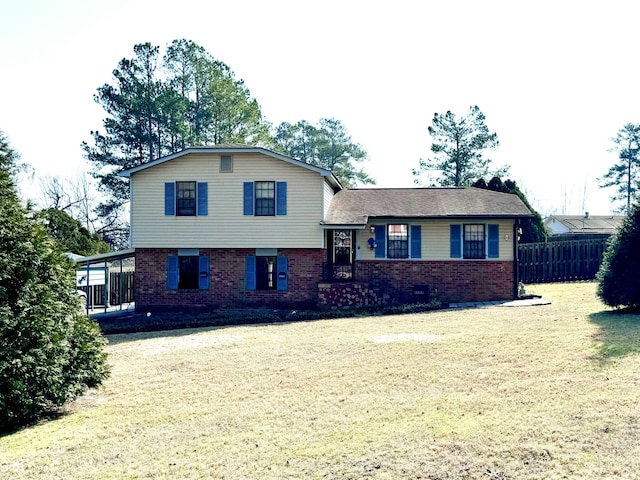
(564, 261)
(120, 290)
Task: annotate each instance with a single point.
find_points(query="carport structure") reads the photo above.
(97, 262)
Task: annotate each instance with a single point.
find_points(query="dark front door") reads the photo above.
(341, 252)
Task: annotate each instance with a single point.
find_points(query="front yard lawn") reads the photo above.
(494, 393)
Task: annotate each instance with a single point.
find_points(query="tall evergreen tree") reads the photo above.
(533, 229)
(69, 233)
(217, 107)
(624, 174)
(49, 351)
(328, 146)
(619, 274)
(458, 149)
(133, 132)
(157, 108)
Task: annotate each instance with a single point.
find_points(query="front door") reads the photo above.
(342, 255)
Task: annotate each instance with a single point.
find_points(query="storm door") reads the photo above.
(342, 255)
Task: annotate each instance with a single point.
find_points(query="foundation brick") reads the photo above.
(226, 286)
(377, 282)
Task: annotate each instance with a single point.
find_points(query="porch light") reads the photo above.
(372, 229)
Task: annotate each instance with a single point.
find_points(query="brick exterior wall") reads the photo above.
(226, 286)
(377, 282)
(448, 281)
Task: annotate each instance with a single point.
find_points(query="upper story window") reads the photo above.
(473, 241)
(186, 198)
(265, 199)
(397, 241)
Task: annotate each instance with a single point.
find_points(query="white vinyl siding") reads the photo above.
(226, 226)
(327, 196)
(435, 238)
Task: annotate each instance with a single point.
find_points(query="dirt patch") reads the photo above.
(406, 337)
(162, 345)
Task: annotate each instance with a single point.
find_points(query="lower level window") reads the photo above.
(266, 273)
(188, 273)
(474, 241)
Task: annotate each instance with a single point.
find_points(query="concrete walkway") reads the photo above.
(525, 302)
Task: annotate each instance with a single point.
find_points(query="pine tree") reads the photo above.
(327, 146)
(619, 274)
(624, 174)
(458, 149)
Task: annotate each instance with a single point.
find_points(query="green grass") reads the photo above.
(525, 392)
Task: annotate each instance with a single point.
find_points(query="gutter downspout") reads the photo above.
(516, 259)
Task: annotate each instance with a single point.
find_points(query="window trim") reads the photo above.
(401, 253)
(200, 269)
(280, 273)
(467, 251)
(188, 278)
(200, 199)
(270, 281)
(270, 199)
(192, 209)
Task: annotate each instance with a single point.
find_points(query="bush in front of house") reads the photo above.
(619, 274)
(49, 351)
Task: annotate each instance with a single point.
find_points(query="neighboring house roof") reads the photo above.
(583, 224)
(356, 206)
(231, 149)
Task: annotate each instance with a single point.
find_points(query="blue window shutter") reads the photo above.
(248, 198)
(250, 273)
(281, 198)
(493, 250)
(416, 241)
(203, 198)
(381, 240)
(283, 273)
(203, 273)
(173, 272)
(455, 241)
(169, 198)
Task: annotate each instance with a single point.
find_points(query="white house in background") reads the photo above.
(580, 225)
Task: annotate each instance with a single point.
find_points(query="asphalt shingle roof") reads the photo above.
(355, 206)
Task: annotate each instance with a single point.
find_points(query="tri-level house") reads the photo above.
(241, 225)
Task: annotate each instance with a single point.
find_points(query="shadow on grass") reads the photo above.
(619, 334)
(180, 323)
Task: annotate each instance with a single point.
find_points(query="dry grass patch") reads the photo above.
(527, 392)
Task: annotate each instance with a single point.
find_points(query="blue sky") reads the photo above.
(555, 79)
